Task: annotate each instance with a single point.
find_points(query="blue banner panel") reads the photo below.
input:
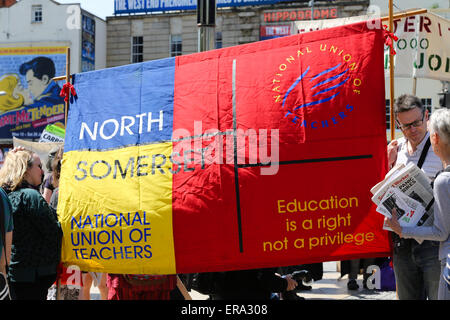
(136, 6)
(144, 116)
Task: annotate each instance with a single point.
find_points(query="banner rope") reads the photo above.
(389, 38)
(66, 90)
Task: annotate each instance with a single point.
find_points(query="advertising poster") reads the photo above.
(88, 44)
(29, 98)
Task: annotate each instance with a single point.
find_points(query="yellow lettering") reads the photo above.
(280, 206)
(290, 59)
(309, 205)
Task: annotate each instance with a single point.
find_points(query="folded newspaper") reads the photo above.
(408, 190)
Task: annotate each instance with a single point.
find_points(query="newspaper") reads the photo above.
(409, 211)
(392, 172)
(407, 189)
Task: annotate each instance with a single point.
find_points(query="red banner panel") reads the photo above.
(276, 145)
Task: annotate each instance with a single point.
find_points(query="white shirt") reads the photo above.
(432, 163)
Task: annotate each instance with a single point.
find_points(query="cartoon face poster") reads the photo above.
(29, 98)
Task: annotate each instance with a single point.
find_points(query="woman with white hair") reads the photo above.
(36, 244)
(439, 127)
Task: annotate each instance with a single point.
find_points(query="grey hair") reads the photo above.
(440, 123)
(407, 102)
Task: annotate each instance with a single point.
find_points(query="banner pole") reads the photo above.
(391, 73)
(66, 108)
(405, 14)
(183, 289)
(414, 88)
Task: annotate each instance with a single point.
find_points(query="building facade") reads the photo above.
(37, 23)
(34, 35)
(142, 37)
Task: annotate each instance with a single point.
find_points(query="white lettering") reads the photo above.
(128, 125)
(150, 121)
(116, 128)
(84, 127)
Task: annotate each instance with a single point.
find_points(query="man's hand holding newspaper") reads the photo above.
(393, 223)
(407, 191)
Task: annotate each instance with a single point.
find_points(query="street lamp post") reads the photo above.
(311, 4)
(206, 21)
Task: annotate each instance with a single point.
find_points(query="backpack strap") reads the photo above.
(424, 153)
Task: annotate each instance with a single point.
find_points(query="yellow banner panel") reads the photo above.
(127, 227)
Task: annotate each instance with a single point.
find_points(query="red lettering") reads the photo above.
(279, 16)
(409, 24)
(293, 16)
(333, 13)
(285, 15)
(267, 16)
(425, 22)
(324, 13)
(5, 120)
(22, 117)
(395, 24)
(307, 15)
(316, 14)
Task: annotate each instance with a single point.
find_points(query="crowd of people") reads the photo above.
(32, 234)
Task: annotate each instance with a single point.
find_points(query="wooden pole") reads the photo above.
(61, 78)
(391, 73)
(183, 289)
(66, 109)
(391, 18)
(405, 14)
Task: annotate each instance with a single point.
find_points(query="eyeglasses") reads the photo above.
(414, 124)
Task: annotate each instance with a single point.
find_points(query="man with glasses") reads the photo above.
(416, 266)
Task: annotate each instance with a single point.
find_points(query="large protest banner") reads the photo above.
(251, 156)
(29, 98)
(423, 49)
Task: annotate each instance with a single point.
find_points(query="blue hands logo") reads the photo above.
(321, 98)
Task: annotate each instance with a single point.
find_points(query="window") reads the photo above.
(176, 45)
(218, 40)
(36, 13)
(137, 49)
(427, 104)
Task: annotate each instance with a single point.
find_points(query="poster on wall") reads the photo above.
(88, 45)
(29, 98)
(272, 32)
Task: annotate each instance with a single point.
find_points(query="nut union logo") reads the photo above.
(298, 92)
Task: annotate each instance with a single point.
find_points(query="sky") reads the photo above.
(100, 8)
